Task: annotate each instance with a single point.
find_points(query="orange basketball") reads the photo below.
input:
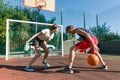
(93, 60)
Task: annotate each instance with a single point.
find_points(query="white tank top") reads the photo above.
(46, 35)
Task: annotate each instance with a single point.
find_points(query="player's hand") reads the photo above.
(27, 42)
(45, 42)
(96, 48)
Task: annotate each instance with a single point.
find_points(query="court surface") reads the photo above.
(13, 69)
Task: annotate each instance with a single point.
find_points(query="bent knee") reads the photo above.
(72, 48)
(46, 51)
(38, 54)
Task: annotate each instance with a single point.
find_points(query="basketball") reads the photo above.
(93, 60)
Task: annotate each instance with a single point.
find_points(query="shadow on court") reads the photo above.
(13, 69)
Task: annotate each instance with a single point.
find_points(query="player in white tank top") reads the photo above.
(42, 37)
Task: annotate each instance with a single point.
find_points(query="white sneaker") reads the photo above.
(67, 70)
(105, 67)
(46, 64)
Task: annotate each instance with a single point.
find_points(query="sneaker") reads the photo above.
(29, 69)
(67, 70)
(105, 67)
(46, 64)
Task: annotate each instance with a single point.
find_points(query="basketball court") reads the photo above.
(13, 69)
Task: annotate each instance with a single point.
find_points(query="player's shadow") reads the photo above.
(36, 68)
(21, 68)
(61, 71)
(57, 69)
(97, 69)
(45, 70)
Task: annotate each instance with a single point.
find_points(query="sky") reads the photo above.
(91, 6)
(106, 7)
(73, 9)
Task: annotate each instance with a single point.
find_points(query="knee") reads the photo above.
(72, 48)
(96, 52)
(46, 51)
(38, 54)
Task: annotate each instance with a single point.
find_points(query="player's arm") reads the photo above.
(47, 40)
(33, 37)
(51, 37)
(87, 35)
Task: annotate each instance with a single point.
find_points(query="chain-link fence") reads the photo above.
(107, 23)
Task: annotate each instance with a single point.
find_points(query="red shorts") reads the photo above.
(85, 44)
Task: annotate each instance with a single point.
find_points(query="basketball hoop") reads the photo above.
(41, 4)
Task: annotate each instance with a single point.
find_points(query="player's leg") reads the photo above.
(29, 68)
(46, 55)
(68, 69)
(36, 56)
(104, 66)
(81, 46)
(71, 56)
(98, 54)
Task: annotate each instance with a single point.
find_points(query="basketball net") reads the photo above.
(41, 4)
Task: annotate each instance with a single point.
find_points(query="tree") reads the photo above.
(103, 33)
(17, 29)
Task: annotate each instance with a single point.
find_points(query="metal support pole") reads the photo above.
(97, 27)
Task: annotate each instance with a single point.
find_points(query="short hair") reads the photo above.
(53, 27)
(69, 27)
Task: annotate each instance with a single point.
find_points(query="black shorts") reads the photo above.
(37, 41)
